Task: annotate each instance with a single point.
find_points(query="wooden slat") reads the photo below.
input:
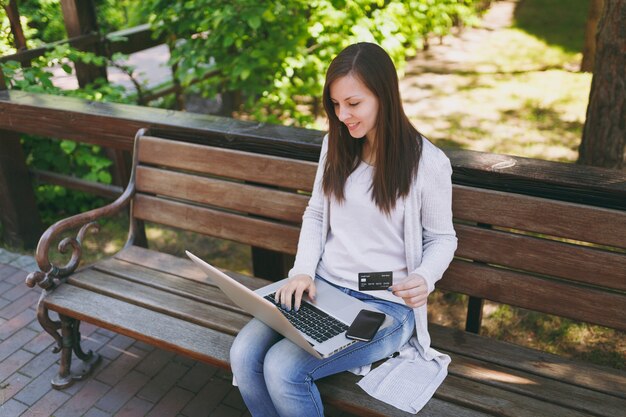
(602, 379)
(148, 326)
(212, 347)
(573, 262)
(250, 231)
(182, 308)
(341, 390)
(567, 220)
(498, 401)
(182, 267)
(538, 294)
(266, 202)
(264, 169)
(550, 390)
(204, 292)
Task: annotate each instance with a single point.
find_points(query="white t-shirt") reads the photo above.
(362, 238)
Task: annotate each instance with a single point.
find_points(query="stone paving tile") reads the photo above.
(15, 342)
(37, 387)
(39, 363)
(171, 403)
(13, 363)
(6, 257)
(113, 372)
(122, 392)
(16, 292)
(25, 263)
(47, 404)
(12, 408)
(144, 346)
(80, 403)
(18, 322)
(233, 399)
(197, 377)
(208, 398)
(4, 288)
(94, 412)
(39, 343)
(223, 410)
(16, 307)
(135, 408)
(12, 385)
(118, 344)
(154, 362)
(162, 382)
(17, 278)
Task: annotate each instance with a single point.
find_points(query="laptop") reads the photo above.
(319, 327)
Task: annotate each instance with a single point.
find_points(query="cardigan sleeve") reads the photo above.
(438, 236)
(310, 244)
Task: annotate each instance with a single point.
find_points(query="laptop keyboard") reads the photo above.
(312, 321)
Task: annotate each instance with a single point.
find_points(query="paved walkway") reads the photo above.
(133, 380)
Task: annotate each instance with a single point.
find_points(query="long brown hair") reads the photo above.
(398, 143)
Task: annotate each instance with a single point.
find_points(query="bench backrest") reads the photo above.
(540, 254)
(248, 198)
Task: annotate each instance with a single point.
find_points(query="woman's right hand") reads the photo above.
(293, 289)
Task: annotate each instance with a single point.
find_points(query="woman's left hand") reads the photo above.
(413, 290)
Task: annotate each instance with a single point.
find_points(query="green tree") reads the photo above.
(273, 54)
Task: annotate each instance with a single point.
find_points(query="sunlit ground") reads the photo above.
(509, 93)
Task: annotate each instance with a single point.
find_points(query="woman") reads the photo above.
(381, 202)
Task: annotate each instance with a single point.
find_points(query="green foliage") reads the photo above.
(275, 53)
(42, 21)
(63, 156)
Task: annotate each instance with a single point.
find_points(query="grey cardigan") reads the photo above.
(409, 380)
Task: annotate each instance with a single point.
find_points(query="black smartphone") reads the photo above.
(365, 325)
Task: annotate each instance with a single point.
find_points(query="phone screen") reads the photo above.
(365, 325)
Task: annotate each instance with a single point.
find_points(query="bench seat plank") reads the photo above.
(183, 267)
(174, 284)
(599, 378)
(535, 386)
(148, 326)
(160, 301)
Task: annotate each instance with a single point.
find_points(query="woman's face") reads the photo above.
(355, 106)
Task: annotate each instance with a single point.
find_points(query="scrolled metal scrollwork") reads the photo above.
(52, 278)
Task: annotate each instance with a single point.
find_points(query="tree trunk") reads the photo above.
(604, 135)
(589, 50)
(16, 25)
(80, 19)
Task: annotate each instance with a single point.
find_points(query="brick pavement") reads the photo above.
(133, 380)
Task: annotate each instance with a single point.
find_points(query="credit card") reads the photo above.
(371, 281)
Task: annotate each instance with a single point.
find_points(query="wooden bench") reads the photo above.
(540, 254)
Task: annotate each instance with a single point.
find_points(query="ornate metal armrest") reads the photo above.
(49, 275)
(50, 272)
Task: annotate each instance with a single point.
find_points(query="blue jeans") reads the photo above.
(276, 377)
